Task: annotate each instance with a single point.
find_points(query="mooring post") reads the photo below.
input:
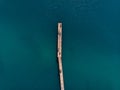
(59, 55)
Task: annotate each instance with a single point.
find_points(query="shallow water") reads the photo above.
(91, 40)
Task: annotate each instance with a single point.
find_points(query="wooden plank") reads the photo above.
(59, 56)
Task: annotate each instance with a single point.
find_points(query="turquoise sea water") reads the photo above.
(91, 44)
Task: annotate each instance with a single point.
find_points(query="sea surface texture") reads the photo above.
(91, 44)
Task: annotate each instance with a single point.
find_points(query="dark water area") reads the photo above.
(91, 44)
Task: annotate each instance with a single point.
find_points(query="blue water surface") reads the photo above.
(91, 44)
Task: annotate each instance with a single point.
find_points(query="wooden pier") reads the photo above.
(59, 56)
